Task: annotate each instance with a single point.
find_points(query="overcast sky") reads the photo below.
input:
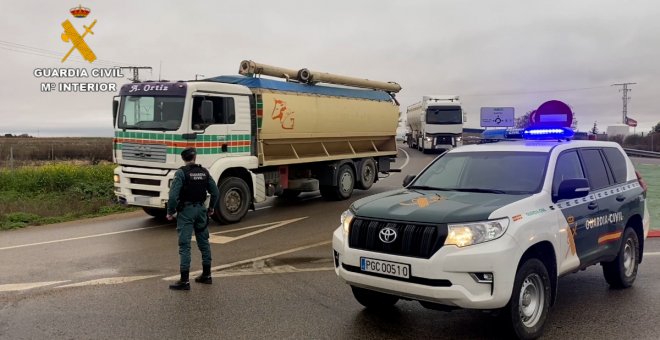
(491, 53)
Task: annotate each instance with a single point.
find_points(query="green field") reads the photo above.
(651, 175)
(55, 193)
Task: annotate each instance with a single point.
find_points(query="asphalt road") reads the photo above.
(107, 278)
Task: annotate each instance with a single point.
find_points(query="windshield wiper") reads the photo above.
(491, 191)
(426, 187)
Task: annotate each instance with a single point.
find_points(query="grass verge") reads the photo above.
(55, 193)
(651, 175)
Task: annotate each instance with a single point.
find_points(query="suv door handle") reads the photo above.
(620, 198)
(592, 205)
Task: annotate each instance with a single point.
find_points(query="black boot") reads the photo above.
(183, 283)
(205, 277)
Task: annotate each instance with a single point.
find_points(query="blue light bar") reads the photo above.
(547, 133)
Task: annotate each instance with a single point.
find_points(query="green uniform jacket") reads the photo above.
(175, 190)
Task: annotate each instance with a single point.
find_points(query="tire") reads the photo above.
(528, 308)
(373, 299)
(288, 194)
(344, 187)
(234, 200)
(367, 175)
(621, 272)
(157, 213)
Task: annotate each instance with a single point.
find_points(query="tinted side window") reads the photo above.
(595, 166)
(223, 111)
(568, 167)
(617, 163)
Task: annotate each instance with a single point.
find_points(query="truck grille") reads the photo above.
(144, 152)
(414, 240)
(443, 140)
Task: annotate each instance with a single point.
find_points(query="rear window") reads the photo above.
(596, 170)
(617, 163)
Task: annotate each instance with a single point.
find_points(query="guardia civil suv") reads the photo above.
(493, 226)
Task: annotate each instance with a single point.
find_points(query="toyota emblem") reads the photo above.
(387, 235)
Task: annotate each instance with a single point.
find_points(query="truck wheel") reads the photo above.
(530, 300)
(621, 272)
(234, 200)
(156, 213)
(372, 299)
(344, 187)
(368, 173)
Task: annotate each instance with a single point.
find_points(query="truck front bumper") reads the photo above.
(450, 277)
(143, 187)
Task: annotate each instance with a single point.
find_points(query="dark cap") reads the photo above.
(188, 154)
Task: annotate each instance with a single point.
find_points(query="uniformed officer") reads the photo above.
(187, 196)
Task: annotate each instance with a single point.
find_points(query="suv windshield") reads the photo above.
(150, 113)
(444, 115)
(492, 172)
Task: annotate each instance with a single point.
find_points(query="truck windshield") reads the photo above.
(150, 113)
(444, 115)
(495, 172)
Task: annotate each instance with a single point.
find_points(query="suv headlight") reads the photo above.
(346, 219)
(467, 234)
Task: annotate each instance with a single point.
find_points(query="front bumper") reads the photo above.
(446, 278)
(143, 187)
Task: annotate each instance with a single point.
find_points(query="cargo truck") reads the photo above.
(435, 123)
(258, 137)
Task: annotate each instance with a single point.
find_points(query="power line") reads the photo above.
(533, 92)
(21, 48)
(625, 99)
(136, 71)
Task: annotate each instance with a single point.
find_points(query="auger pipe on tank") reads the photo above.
(250, 67)
(310, 77)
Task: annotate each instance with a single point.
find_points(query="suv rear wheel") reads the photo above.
(621, 272)
(373, 299)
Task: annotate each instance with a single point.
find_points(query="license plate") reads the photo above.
(385, 267)
(142, 200)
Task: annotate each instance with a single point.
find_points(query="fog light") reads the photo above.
(336, 257)
(115, 178)
(482, 277)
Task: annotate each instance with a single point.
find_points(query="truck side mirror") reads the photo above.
(207, 111)
(115, 109)
(408, 180)
(573, 188)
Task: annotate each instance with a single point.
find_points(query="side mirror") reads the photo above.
(207, 111)
(115, 110)
(408, 180)
(573, 188)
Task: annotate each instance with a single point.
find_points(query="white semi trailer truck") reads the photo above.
(435, 123)
(258, 137)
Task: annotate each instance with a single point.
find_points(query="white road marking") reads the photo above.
(109, 281)
(270, 270)
(25, 286)
(407, 158)
(652, 254)
(79, 238)
(217, 238)
(266, 207)
(238, 263)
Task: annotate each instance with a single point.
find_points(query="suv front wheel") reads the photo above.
(621, 272)
(530, 300)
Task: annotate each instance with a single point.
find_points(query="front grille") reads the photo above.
(414, 240)
(144, 152)
(145, 193)
(443, 140)
(144, 181)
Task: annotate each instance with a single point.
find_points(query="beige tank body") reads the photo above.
(301, 127)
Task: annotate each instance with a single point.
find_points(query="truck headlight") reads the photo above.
(346, 219)
(115, 178)
(458, 139)
(429, 139)
(467, 234)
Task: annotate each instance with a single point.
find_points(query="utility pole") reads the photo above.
(201, 75)
(625, 98)
(136, 73)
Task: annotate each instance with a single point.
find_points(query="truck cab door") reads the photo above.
(211, 139)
